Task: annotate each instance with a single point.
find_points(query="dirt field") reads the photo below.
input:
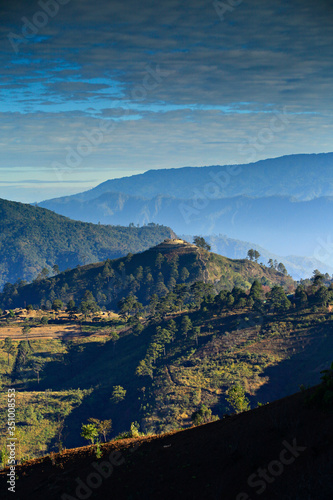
(47, 331)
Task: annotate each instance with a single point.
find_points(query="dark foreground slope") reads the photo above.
(283, 450)
(32, 238)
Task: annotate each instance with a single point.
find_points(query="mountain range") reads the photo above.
(283, 204)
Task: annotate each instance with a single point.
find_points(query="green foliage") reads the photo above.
(237, 399)
(202, 415)
(89, 432)
(118, 394)
(200, 242)
(103, 426)
(278, 300)
(132, 433)
(57, 305)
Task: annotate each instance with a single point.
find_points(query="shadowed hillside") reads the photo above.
(283, 450)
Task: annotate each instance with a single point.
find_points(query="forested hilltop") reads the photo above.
(157, 271)
(33, 239)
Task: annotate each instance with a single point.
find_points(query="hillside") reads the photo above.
(298, 267)
(159, 364)
(154, 271)
(33, 238)
(282, 450)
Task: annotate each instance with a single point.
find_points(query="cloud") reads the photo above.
(222, 81)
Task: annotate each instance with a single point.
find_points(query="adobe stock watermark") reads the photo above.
(324, 250)
(210, 191)
(264, 477)
(266, 135)
(40, 19)
(222, 8)
(95, 137)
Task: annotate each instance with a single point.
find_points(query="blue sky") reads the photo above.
(95, 90)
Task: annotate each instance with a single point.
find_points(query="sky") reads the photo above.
(91, 91)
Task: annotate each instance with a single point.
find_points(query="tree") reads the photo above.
(184, 274)
(118, 394)
(256, 255)
(8, 347)
(23, 352)
(278, 299)
(144, 369)
(202, 415)
(301, 298)
(57, 305)
(185, 325)
(256, 291)
(250, 254)
(153, 304)
(37, 365)
(103, 426)
(318, 278)
(70, 305)
(237, 400)
(89, 432)
(159, 260)
(26, 329)
(200, 242)
(172, 328)
(281, 268)
(129, 305)
(196, 333)
(271, 263)
(55, 269)
(137, 328)
(45, 272)
(322, 296)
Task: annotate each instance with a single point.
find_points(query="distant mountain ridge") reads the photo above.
(303, 176)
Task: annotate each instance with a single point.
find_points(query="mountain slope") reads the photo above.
(285, 442)
(297, 267)
(156, 270)
(32, 238)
